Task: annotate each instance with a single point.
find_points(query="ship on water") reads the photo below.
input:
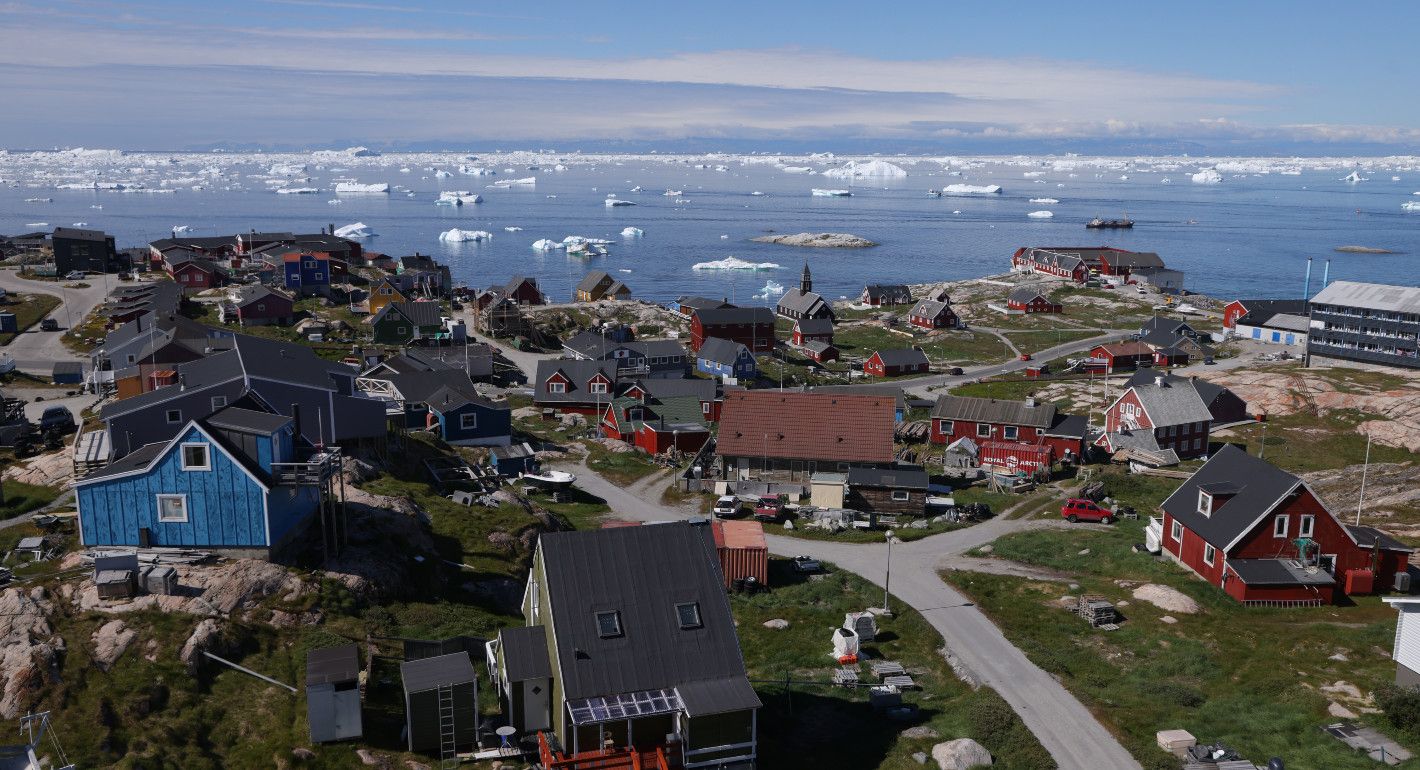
(1110, 224)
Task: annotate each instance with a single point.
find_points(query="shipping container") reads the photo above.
(742, 549)
(1013, 457)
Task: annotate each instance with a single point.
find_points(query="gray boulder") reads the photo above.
(961, 754)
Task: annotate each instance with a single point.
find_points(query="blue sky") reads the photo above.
(156, 74)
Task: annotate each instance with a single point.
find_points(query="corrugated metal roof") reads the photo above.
(807, 426)
(332, 664)
(1278, 572)
(1261, 485)
(1373, 296)
(1171, 402)
(429, 673)
(977, 409)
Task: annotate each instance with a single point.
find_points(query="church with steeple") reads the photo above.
(803, 302)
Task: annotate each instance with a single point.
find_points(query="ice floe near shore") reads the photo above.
(1410, 206)
(822, 193)
(735, 263)
(463, 236)
(1041, 214)
(873, 169)
(771, 289)
(632, 232)
(356, 187)
(972, 189)
(1046, 201)
(1207, 176)
(357, 231)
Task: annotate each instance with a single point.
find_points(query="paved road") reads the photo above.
(35, 351)
(1063, 725)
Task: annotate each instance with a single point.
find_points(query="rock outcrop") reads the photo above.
(961, 754)
(29, 649)
(109, 641)
(818, 240)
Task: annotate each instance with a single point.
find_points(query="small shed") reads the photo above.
(525, 678)
(68, 373)
(827, 490)
(863, 624)
(513, 459)
(159, 580)
(333, 693)
(8, 323)
(962, 453)
(742, 549)
(440, 703)
(116, 577)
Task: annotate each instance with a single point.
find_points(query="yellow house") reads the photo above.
(384, 293)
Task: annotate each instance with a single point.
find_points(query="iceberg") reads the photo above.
(614, 202)
(734, 263)
(632, 232)
(1047, 201)
(1410, 206)
(796, 169)
(673, 193)
(874, 169)
(182, 228)
(461, 236)
(1354, 177)
(1207, 176)
(512, 229)
(36, 224)
(457, 198)
(821, 193)
(758, 193)
(39, 200)
(442, 174)
(80, 224)
(1041, 214)
(297, 191)
(771, 289)
(356, 187)
(355, 231)
(530, 181)
(543, 244)
(476, 171)
(972, 189)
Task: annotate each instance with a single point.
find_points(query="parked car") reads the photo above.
(125, 276)
(57, 418)
(49, 325)
(769, 508)
(806, 564)
(75, 275)
(727, 507)
(1077, 509)
(955, 371)
(1025, 356)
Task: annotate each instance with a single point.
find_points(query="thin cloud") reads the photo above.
(383, 8)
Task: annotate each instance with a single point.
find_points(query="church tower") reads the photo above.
(806, 283)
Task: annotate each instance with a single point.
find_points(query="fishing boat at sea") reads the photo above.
(1110, 224)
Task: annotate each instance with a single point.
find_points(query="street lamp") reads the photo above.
(887, 574)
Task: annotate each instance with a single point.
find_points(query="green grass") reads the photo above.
(619, 467)
(1303, 441)
(804, 726)
(1036, 341)
(951, 346)
(29, 309)
(21, 498)
(1010, 390)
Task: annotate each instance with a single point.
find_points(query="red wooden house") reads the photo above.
(1121, 263)
(1263, 307)
(1030, 299)
(1123, 356)
(195, 274)
(523, 291)
(931, 314)
(808, 330)
(1051, 262)
(1025, 422)
(1264, 537)
(752, 327)
(1158, 416)
(820, 352)
(894, 363)
(580, 387)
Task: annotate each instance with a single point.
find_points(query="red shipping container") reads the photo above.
(743, 551)
(1013, 457)
(1360, 581)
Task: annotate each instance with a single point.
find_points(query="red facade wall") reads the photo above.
(1232, 312)
(944, 320)
(967, 429)
(191, 277)
(1037, 305)
(759, 338)
(874, 366)
(1190, 552)
(1113, 421)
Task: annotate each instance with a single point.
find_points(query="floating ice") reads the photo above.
(1207, 176)
(356, 187)
(1410, 206)
(632, 232)
(544, 244)
(1354, 177)
(80, 224)
(972, 189)
(182, 229)
(757, 193)
(1165, 180)
(297, 191)
(821, 193)
(512, 229)
(771, 289)
(355, 231)
(36, 224)
(39, 200)
(796, 169)
(460, 236)
(734, 263)
(875, 169)
(476, 171)
(614, 202)
(1041, 214)
(458, 198)
(1047, 201)
(442, 174)
(530, 181)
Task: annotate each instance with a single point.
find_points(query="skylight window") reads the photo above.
(609, 624)
(689, 615)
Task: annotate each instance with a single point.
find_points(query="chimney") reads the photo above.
(296, 419)
(1030, 401)
(332, 228)
(182, 381)
(1159, 380)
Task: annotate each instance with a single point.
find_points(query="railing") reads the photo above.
(321, 466)
(604, 759)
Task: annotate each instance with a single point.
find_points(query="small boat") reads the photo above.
(549, 479)
(1109, 224)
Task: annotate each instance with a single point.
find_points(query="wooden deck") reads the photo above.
(617, 758)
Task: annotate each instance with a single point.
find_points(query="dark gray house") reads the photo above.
(896, 489)
(636, 358)
(92, 251)
(440, 691)
(333, 693)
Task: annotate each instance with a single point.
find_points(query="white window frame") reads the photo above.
(946, 427)
(1010, 432)
(466, 418)
(1210, 554)
(1280, 525)
(1306, 527)
(985, 425)
(556, 387)
(218, 402)
(180, 498)
(597, 387)
(174, 420)
(901, 495)
(1176, 531)
(206, 455)
(1205, 503)
(1198, 443)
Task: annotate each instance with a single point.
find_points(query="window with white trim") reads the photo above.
(196, 457)
(1306, 526)
(1205, 503)
(598, 387)
(1209, 554)
(174, 416)
(172, 509)
(468, 420)
(900, 495)
(1176, 531)
(1010, 432)
(1198, 443)
(1279, 526)
(983, 430)
(556, 387)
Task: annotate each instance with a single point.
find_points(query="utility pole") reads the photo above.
(1364, 468)
(1262, 446)
(887, 574)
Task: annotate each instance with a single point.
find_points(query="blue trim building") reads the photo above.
(727, 359)
(214, 485)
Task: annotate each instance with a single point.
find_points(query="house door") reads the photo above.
(536, 705)
(1327, 561)
(1291, 339)
(796, 469)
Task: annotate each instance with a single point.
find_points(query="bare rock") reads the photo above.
(203, 636)
(29, 650)
(1168, 619)
(919, 732)
(920, 757)
(110, 641)
(1339, 656)
(302, 753)
(1341, 712)
(777, 624)
(372, 759)
(47, 470)
(1167, 599)
(961, 754)
(412, 765)
(1085, 552)
(818, 240)
(987, 549)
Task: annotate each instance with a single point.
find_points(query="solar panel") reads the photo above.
(624, 706)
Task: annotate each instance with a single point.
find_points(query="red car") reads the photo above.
(1025, 356)
(1076, 509)
(769, 508)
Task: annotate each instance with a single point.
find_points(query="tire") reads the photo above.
(1073, 518)
(1107, 520)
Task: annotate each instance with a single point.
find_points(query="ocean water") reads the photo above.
(1247, 236)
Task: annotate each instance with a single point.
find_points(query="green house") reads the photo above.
(401, 323)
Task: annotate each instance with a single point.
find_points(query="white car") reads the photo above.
(727, 507)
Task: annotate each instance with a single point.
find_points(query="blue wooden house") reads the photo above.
(727, 359)
(219, 484)
(306, 273)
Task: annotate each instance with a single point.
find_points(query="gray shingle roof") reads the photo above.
(720, 351)
(801, 302)
(814, 326)
(247, 420)
(592, 279)
(419, 313)
(138, 458)
(1374, 296)
(1172, 403)
(332, 664)
(902, 357)
(1261, 485)
(579, 372)
(429, 673)
(977, 409)
(718, 316)
(642, 573)
(1026, 294)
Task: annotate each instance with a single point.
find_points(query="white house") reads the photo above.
(1407, 639)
